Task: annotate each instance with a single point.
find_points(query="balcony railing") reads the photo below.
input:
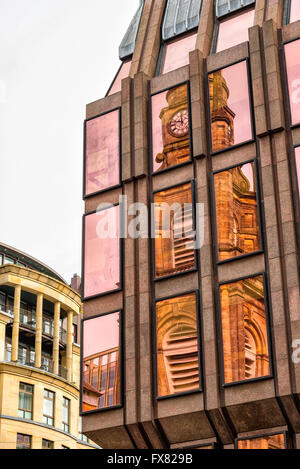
(47, 364)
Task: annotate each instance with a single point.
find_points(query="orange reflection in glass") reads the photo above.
(265, 442)
(174, 231)
(177, 53)
(170, 128)
(177, 345)
(123, 73)
(292, 57)
(244, 328)
(102, 253)
(297, 153)
(101, 362)
(295, 11)
(237, 212)
(230, 106)
(102, 152)
(234, 30)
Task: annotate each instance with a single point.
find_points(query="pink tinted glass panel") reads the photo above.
(165, 106)
(234, 30)
(102, 252)
(230, 97)
(292, 54)
(102, 152)
(177, 53)
(101, 362)
(297, 151)
(295, 11)
(123, 73)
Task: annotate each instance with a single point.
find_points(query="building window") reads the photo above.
(177, 345)
(292, 58)
(174, 231)
(294, 10)
(102, 152)
(176, 53)
(66, 414)
(122, 73)
(47, 444)
(25, 401)
(171, 144)
(23, 441)
(2, 303)
(102, 273)
(81, 436)
(233, 30)
(275, 441)
(8, 260)
(238, 227)
(48, 416)
(297, 155)
(75, 333)
(101, 386)
(246, 353)
(230, 113)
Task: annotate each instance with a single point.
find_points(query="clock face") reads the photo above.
(179, 124)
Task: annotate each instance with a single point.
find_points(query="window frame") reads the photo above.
(286, 81)
(86, 196)
(251, 106)
(199, 342)
(196, 266)
(30, 440)
(121, 360)
(32, 397)
(151, 170)
(269, 329)
(264, 435)
(121, 250)
(48, 441)
(220, 19)
(48, 417)
(66, 425)
(259, 213)
(163, 47)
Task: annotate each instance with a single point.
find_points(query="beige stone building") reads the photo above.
(39, 356)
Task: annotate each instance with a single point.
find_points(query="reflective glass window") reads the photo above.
(170, 128)
(297, 152)
(23, 441)
(66, 414)
(234, 30)
(25, 401)
(102, 152)
(47, 444)
(176, 53)
(177, 345)
(295, 11)
(230, 106)
(102, 252)
(237, 212)
(265, 442)
(122, 73)
(244, 330)
(48, 412)
(292, 56)
(174, 231)
(101, 386)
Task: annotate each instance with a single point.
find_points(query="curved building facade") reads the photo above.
(39, 356)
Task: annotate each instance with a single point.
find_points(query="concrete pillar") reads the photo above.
(16, 324)
(55, 350)
(69, 345)
(39, 330)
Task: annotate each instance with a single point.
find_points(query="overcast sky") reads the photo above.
(55, 57)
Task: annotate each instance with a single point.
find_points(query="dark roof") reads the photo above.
(128, 43)
(180, 16)
(223, 7)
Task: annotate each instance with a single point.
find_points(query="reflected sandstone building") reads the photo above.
(187, 346)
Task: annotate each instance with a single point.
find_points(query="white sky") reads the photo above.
(55, 57)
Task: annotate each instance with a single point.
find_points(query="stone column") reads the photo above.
(55, 350)
(16, 324)
(69, 345)
(39, 329)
